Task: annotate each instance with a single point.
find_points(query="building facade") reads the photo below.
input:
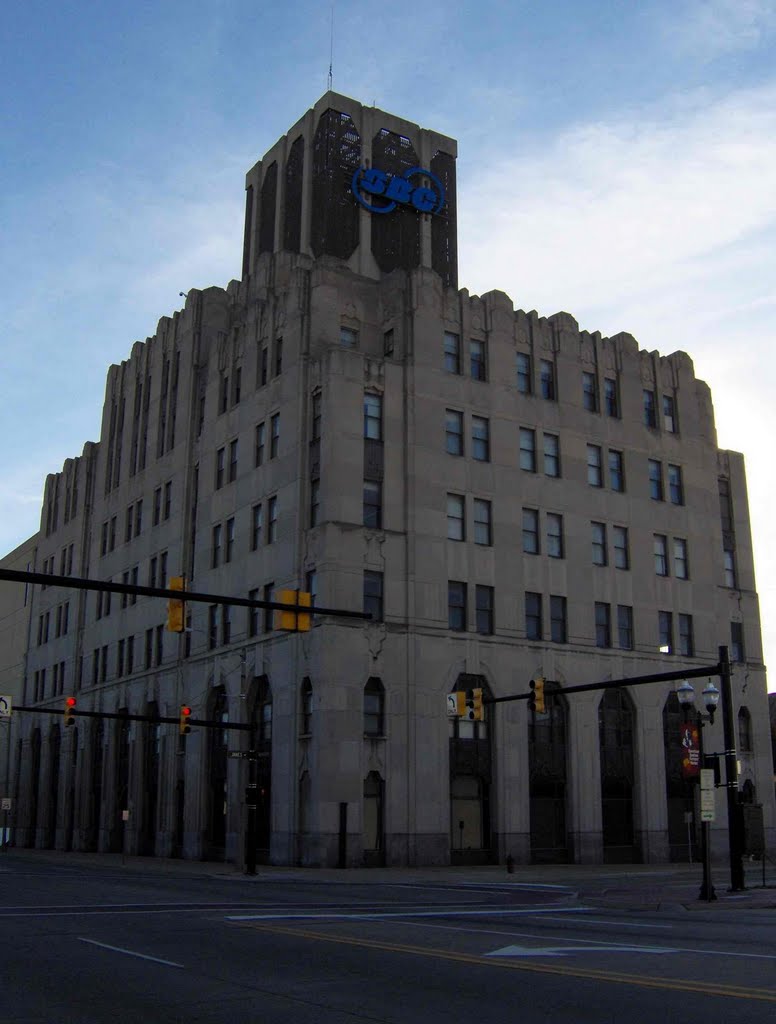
(505, 494)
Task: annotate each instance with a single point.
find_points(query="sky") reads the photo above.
(617, 160)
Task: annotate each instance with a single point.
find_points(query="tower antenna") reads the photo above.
(331, 47)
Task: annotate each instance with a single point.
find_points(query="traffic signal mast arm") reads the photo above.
(79, 583)
(653, 677)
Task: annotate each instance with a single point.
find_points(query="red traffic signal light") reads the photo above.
(70, 703)
(183, 725)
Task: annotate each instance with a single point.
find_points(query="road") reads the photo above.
(97, 941)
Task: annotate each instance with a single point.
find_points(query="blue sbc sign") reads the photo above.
(407, 190)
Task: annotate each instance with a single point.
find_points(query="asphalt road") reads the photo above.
(100, 942)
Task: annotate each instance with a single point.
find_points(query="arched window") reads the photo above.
(304, 803)
(744, 730)
(374, 708)
(615, 733)
(307, 707)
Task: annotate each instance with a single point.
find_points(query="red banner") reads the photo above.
(691, 750)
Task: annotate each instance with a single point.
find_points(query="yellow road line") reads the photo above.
(646, 981)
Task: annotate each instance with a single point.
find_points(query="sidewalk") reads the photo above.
(625, 886)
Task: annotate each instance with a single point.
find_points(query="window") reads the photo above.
(616, 475)
(373, 594)
(480, 439)
(551, 455)
(104, 538)
(681, 565)
(215, 559)
(307, 707)
(527, 450)
(603, 625)
(455, 517)
(594, 471)
(167, 499)
(650, 416)
(258, 445)
(456, 606)
(149, 649)
(523, 367)
(547, 379)
(112, 539)
(660, 548)
(138, 519)
(373, 504)
(598, 533)
(484, 600)
(655, 480)
(669, 414)
(229, 540)
(212, 626)
(373, 416)
(374, 708)
(272, 520)
(477, 359)
(530, 531)
(675, 487)
(533, 616)
(611, 399)
(454, 432)
(267, 596)
(232, 461)
(127, 532)
(236, 385)
(253, 613)
(452, 352)
(257, 525)
(558, 631)
(274, 435)
(220, 465)
(686, 643)
(624, 627)
(620, 543)
(482, 522)
(554, 523)
(589, 392)
(388, 343)
(226, 624)
(316, 417)
(665, 630)
(263, 366)
(315, 494)
(744, 730)
(348, 337)
(730, 569)
(223, 393)
(278, 357)
(737, 642)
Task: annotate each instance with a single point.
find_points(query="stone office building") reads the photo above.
(507, 495)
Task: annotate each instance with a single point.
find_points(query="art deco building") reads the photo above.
(507, 495)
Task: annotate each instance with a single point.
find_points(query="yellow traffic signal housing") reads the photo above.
(175, 608)
(536, 702)
(183, 723)
(479, 711)
(460, 703)
(70, 703)
(295, 621)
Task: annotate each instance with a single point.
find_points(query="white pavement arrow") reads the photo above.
(563, 950)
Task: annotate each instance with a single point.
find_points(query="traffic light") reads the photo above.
(175, 612)
(536, 700)
(290, 620)
(70, 703)
(183, 725)
(479, 711)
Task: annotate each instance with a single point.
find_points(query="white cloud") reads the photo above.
(706, 29)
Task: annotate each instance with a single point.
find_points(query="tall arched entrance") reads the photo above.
(52, 790)
(261, 722)
(94, 817)
(679, 791)
(34, 786)
(121, 802)
(615, 735)
(547, 759)
(149, 793)
(218, 746)
(471, 778)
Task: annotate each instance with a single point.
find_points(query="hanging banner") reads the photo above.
(691, 750)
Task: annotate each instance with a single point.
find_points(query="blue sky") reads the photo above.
(616, 160)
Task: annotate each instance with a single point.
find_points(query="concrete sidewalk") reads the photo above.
(625, 886)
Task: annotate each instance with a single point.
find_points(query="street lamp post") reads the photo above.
(686, 695)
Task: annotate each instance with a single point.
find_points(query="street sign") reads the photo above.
(708, 805)
(244, 754)
(5, 803)
(707, 778)
(5, 707)
(452, 705)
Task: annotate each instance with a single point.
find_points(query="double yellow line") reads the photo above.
(617, 977)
